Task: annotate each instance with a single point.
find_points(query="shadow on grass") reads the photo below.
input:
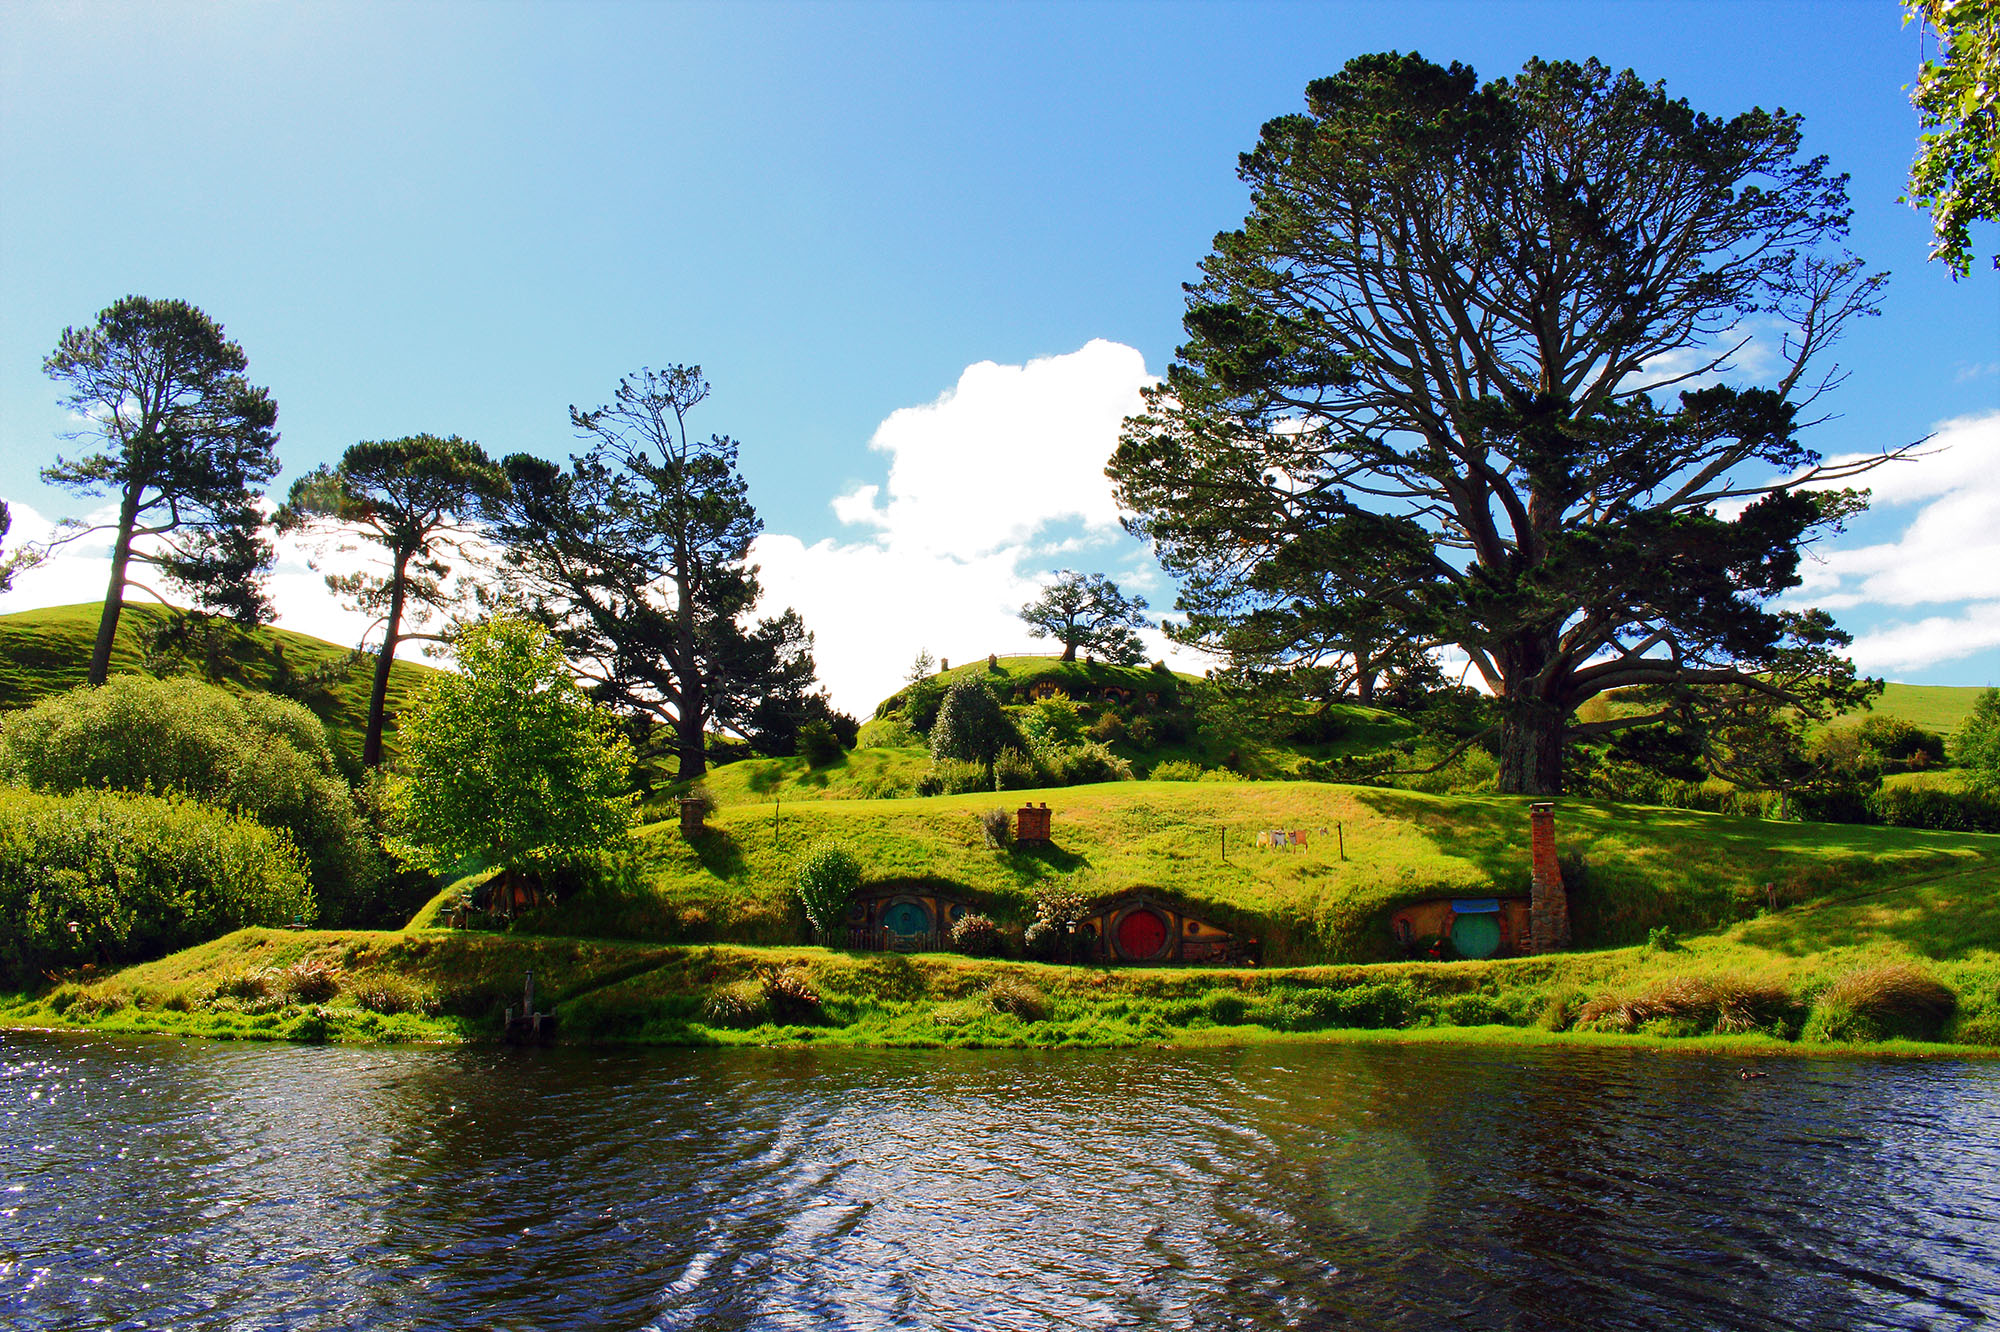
(718, 853)
(1054, 857)
(1945, 916)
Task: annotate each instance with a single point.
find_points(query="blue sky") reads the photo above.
(463, 218)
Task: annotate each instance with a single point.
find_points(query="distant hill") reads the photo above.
(47, 651)
(1934, 707)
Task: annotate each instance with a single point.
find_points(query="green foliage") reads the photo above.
(818, 744)
(509, 760)
(826, 881)
(1087, 763)
(953, 777)
(415, 497)
(1175, 770)
(265, 756)
(1088, 613)
(1052, 723)
(139, 875)
(887, 733)
(1934, 807)
(1507, 224)
(1976, 744)
(1015, 771)
(187, 441)
(1019, 998)
(1696, 1005)
(1896, 1000)
(971, 726)
(1956, 174)
(976, 935)
(1041, 940)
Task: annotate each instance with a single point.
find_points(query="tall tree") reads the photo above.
(1956, 174)
(187, 444)
(1087, 611)
(637, 555)
(416, 498)
(1467, 322)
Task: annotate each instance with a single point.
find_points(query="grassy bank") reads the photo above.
(1842, 972)
(1636, 868)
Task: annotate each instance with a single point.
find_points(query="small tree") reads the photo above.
(1956, 174)
(21, 560)
(412, 496)
(1088, 611)
(187, 444)
(971, 726)
(827, 880)
(1976, 744)
(508, 759)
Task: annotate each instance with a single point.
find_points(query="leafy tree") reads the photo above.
(187, 444)
(827, 879)
(1956, 174)
(971, 726)
(1459, 328)
(414, 497)
(508, 759)
(1088, 612)
(1976, 744)
(637, 556)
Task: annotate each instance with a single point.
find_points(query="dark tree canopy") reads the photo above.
(1087, 611)
(416, 498)
(637, 556)
(1454, 383)
(187, 444)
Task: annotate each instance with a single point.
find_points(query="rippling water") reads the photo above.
(163, 1184)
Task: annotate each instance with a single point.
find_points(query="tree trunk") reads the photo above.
(371, 747)
(1069, 649)
(693, 745)
(1531, 749)
(114, 591)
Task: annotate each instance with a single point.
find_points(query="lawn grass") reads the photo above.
(1937, 708)
(45, 652)
(1194, 842)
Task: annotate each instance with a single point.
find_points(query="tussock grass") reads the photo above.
(1722, 1005)
(1896, 1000)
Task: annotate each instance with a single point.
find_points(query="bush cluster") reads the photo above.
(266, 757)
(827, 879)
(998, 826)
(1888, 1002)
(139, 875)
(976, 935)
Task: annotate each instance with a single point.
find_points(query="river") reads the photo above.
(165, 1184)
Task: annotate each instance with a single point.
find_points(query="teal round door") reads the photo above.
(1476, 935)
(906, 918)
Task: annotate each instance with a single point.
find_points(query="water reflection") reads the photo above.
(166, 1184)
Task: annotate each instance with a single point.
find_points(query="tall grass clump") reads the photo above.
(1889, 1002)
(1696, 1005)
(138, 877)
(266, 757)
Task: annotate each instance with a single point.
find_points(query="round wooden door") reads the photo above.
(1142, 934)
(907, 918)
(1476, 935)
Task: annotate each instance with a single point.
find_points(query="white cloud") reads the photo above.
(991, 486)
(1908, 647)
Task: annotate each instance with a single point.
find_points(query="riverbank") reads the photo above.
(1830, 977)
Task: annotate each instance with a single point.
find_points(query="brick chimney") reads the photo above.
(1548, 903)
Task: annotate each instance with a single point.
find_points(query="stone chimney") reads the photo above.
(1548, 903)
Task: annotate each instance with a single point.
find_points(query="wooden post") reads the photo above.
(1223, 834)
(775, 802)
(1340, 831)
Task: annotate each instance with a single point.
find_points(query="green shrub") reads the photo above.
(971, 726)
(976, 935)
(1052, 723)
(1175, 770)
(140, 876)
(891, 732)
(1087, 763)
(1225, 1008)
(953, 777)
(998, 826)
(819, 744)
(310, 980)
(390, 994)
(1935, 808)
(827, 879)
(1042, 940)
(1015, 771)
(266, 757)
(1881, 1003)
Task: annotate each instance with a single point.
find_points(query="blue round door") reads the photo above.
(906, 918)
(1476, 935)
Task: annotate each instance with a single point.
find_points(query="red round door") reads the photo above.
(1142, 934)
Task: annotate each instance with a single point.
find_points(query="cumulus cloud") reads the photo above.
(1948, 555)
(989, 487)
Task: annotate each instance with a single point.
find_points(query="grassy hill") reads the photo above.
(47, 651)
(1937, 708)
(1646, 866)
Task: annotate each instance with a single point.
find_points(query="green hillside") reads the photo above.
(1937, 708)
(1645, 867)
(47, 651)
